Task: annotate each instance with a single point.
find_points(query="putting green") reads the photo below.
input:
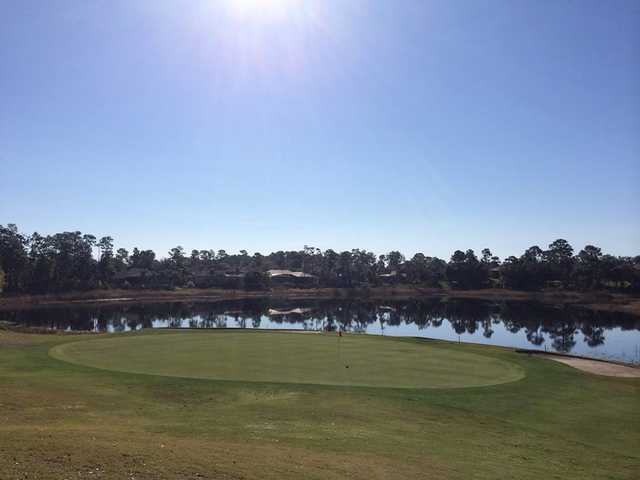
(326, 359)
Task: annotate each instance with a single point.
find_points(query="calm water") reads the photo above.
(515, 324)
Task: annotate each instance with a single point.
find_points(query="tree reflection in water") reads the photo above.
(542, 326)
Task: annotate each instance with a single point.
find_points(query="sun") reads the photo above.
(265, 10)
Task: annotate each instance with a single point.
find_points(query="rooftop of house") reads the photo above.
(391, 274)
(293, 311)
(289, 273)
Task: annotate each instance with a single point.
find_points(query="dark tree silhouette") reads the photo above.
(70, 261)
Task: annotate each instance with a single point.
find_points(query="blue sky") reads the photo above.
(270, 124)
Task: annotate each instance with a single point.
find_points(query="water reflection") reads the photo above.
(518, 324)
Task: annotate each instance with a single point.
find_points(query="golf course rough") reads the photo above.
(279, 357)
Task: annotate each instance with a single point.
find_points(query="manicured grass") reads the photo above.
(64, 420)
(326, 359)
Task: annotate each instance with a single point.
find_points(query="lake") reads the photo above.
(514, 324)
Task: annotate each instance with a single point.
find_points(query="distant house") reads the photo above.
(134, 277)
(388, 278)
(495, 278)
(554, 284)
(273, 312)
(206, 278)
(290, 278)
(231, 280)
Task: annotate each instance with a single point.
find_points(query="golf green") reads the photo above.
(313, 358)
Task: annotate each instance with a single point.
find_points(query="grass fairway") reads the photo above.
(324, 359)
(278, 406)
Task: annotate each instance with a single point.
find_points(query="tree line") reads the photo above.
(72, 261)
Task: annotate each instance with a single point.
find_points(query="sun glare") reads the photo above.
(264, 10)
